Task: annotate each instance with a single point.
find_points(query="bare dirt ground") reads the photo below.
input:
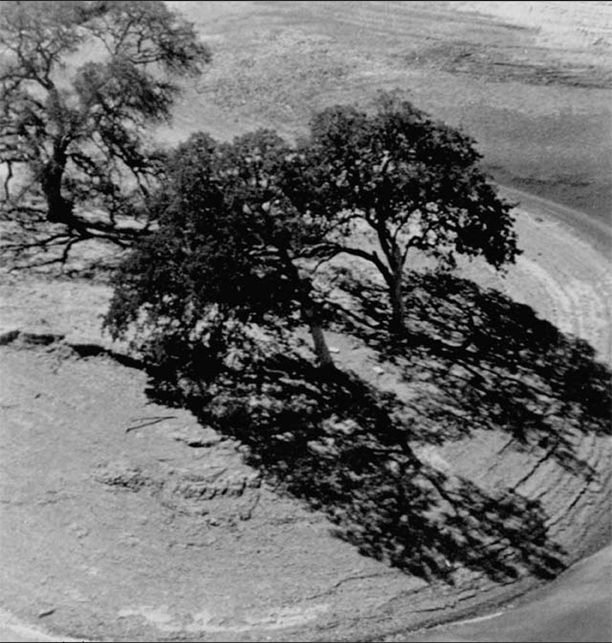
(574, 607)
(126, 520)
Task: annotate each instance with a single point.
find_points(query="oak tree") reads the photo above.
(415, 183)
(79, 83)
(228, 241)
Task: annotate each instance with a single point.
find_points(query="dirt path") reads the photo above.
(12, 630)
(125, 520)
(574, 607)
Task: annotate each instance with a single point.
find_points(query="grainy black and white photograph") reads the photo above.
(305, 321)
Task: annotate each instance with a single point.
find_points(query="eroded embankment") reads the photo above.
(130, 520)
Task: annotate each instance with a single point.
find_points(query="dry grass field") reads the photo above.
(535, 97)
(124, 519)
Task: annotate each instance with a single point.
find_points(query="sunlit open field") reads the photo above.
(162, 531)
(531, 83)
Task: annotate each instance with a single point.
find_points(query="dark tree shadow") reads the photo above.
(343, 446)
(478, 360)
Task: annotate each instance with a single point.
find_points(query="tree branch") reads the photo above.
(372, 257)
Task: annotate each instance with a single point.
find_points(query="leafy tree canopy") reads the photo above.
(416, 183)
(79, 81)
(229, 240)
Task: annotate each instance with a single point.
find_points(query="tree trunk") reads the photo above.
(59, 210)
(321, 349)
(398, 306)
(309, 312)
(320, 346)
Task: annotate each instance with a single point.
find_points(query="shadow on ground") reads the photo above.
(474, 359)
